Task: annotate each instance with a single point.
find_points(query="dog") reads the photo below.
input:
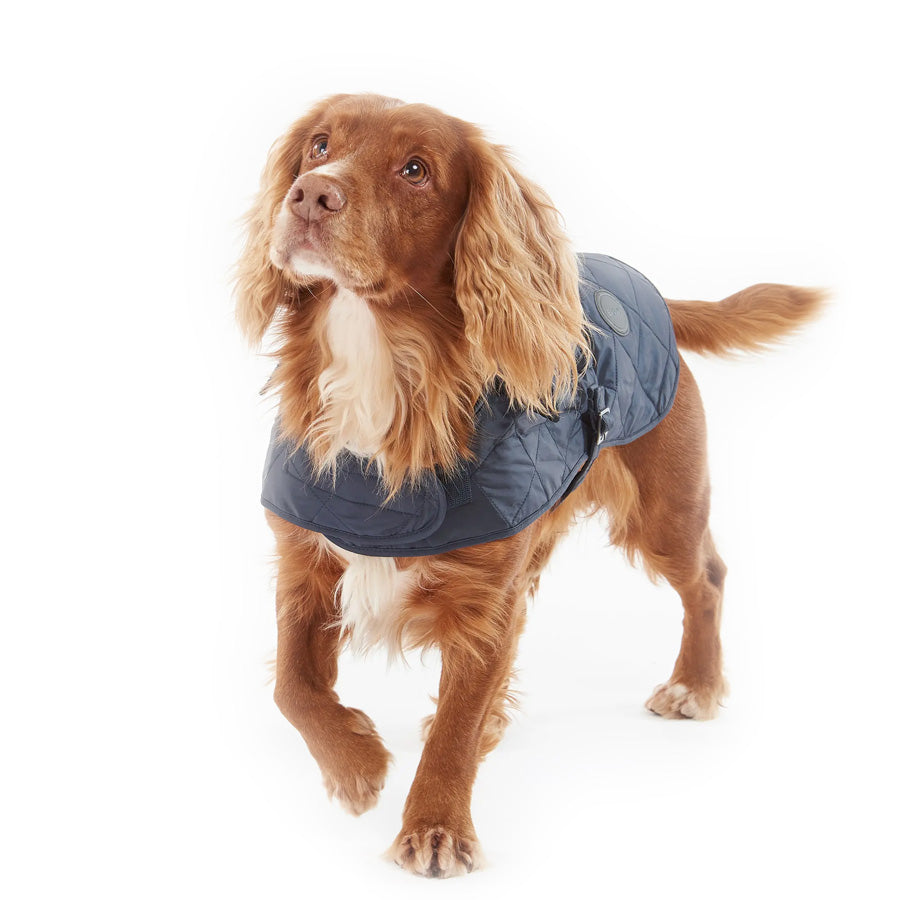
(422, 291)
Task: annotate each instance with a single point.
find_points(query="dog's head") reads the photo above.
(402, 204)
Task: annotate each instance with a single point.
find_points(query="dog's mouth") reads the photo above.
(300, 252)
(307, 261)
(306, 258)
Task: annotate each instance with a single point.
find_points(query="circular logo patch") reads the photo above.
(609, 306)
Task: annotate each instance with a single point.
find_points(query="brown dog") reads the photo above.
(409, 268)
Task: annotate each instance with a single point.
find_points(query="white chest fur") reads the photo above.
(357, 387)
(358, 396)
(371, 591)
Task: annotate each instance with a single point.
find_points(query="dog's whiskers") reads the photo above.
(420, 294)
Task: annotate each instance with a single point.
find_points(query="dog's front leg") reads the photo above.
(342, 740)
(437, 838)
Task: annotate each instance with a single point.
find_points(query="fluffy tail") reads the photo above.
(751, 319)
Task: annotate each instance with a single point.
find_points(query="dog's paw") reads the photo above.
(674, 700)
(355, 776)
(436, 852)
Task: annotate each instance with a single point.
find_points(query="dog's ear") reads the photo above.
(260, 286)
(516, 282)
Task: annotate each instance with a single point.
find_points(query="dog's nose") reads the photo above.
(314, 196)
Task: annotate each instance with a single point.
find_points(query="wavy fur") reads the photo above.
(517, 284)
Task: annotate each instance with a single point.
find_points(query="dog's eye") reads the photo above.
(414, 171)
(319, 148)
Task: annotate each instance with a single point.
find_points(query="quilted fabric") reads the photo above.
(522, 464)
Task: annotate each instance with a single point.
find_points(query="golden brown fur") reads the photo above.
(470, 280)
(752, 319)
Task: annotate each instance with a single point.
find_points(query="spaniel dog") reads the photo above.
(412, 274)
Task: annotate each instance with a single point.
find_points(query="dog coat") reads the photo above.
(524, 464)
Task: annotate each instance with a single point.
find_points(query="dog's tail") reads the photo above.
(751, 319)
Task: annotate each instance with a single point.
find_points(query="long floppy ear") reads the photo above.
(259, 285)
(516, 281)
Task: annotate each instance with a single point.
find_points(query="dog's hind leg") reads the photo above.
(342, 740)
(697, 685)
(665, 522)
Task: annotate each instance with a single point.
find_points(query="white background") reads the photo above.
(709, 145)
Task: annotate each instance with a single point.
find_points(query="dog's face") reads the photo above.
(419, 215)
(377, 194)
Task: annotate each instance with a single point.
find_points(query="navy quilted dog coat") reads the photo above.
(524, 464)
